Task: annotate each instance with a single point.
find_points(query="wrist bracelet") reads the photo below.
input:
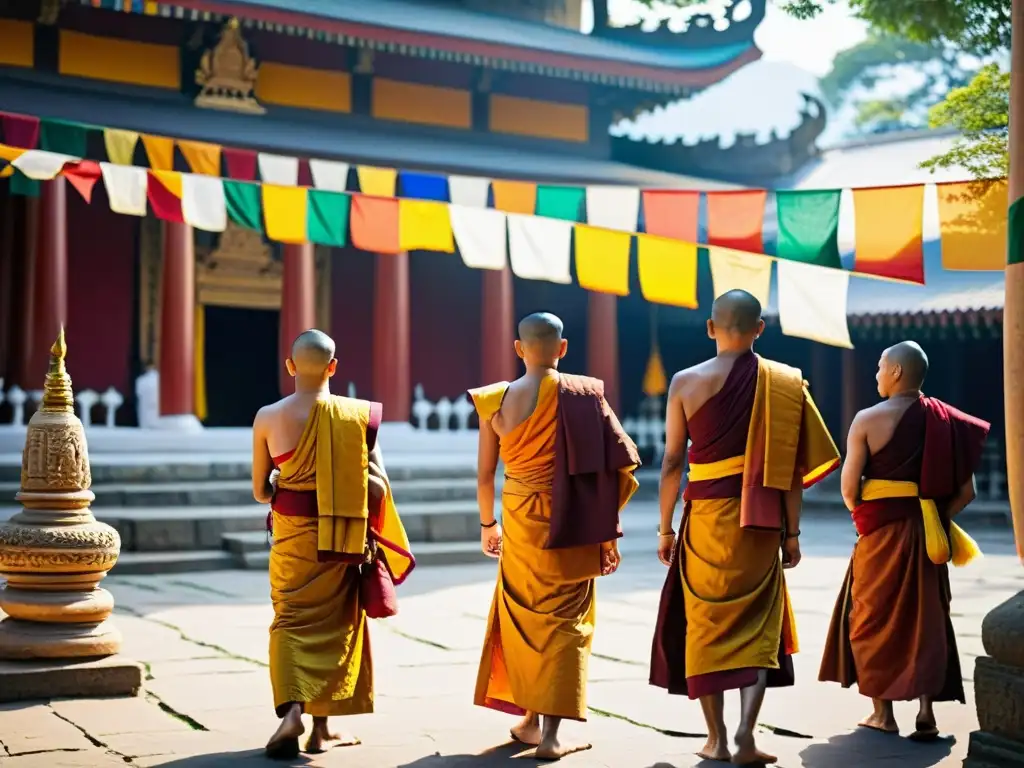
(793, 535)
(669, 533)
(490, 524)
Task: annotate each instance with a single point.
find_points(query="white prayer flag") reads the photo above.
(539, 248)
(278, 169)
(41, 165)
(731, 270)
(480, 235)
(812, 303)
(469, 190)
(202, 202)
(613, 207)
(329, 174)
(126, 188)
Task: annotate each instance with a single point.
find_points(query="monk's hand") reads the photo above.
(376, 490)
(666, 546)
(275, 475)
(610, 557)
(490, 540)
(791, 552)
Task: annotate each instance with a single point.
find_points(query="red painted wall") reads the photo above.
(352, 318)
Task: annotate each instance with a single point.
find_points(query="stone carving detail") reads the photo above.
(241, 271)
(71, 537)
(227, 74)
(55, 459)
(54, 561)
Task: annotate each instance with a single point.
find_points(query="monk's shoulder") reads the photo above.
(581, 385)
(488, 399)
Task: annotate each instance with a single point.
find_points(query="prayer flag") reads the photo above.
(201, 157)
(163, 188)
(240, 163)
(424, 225)
(20, 130)
(809, 226)
(202, 202)
(424, 186)
(243, 204)
(83, 176)
(888, 223)
(560, 202)
(280, 170)
(126, 188)
(812, 303)
(672, 213)
(481, 236)
(41, 165)
(469, 190)
(375, 224)
(328, 217)
(602, 259)
(120, 145)
(10, 154)
(160, 152)
(736, 219)
(655, 380)
(378, 182)
(63, 137)
(668, 270)
(329, 174)
(539, 248)
(23, 185)
(735, 269)
(613, 207)
(284, 209)
(972, 223)
(515, 196)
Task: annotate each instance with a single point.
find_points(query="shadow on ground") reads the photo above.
(863, 746)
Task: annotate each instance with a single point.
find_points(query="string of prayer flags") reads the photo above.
(378, 182)
(40, 165)
(736, 219)
(809, 226)
(731, 270)
(120, 145)
(203, 205)
(20, 130)
(515, 196)
(327, 222)
(243, 204)
(201, 157)
(375, 224)
(126, 188)
(83, 176)
(424, 225)
(240, 164)
(670, 213)
(163, 189)
(812, 303)
(668, 270)
(539, 249)
(331, 175)
(280, 170)
(888, 222)
(973, 225)
(160, 152)
(602, 259)
(284, 210)
(613, 207)
(63, 137)
(481, 236)
(555, 202)
(470, 191)
(424, 186)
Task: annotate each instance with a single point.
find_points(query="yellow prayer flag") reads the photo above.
(284, 209)
(424, 225)
(10, 154)
(602, 259)
(169, 180)
(202, 158)
(732, 269)
(7, 171)
(378, 182)
(668, 270)
(120, 145)
(160, 151)
(655, 379)
(515, 196)
(972, 223)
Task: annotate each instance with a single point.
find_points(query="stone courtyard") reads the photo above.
(202, 638)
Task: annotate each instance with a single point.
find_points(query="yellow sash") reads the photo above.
(716, 470)
(958, 547)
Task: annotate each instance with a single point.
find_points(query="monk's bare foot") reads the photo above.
(321, 739)
(925, 729)
(716, 749)
(880, 722)
(284, 744)
(553, 749)
(527, 731)
(747, 753)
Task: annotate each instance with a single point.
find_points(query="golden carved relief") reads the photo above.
(240, 272)
(227, 74)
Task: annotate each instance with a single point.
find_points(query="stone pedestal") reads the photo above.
(53, 555)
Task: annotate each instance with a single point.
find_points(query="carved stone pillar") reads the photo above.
(497, 327)
(603, 343)
(50, 306)
(298, 303)
(392, 369)
(177, 330)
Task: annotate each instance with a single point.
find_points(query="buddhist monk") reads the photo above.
(331, 514)
(756, 440)
(909, 470)
(568, 473)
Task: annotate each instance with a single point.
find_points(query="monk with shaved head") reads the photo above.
(909, 470)
(756, 440)
(317, 462)
(568, 472)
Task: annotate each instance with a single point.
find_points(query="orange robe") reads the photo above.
(541, 621)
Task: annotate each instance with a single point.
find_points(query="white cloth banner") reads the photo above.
(126, 188)
(731, 270)
(202, 202)
(278, 169)
(613, 207)
(812, 303)
(469, 190)
(328, 174)
(480, 235)
(539, 248)
(41, 165)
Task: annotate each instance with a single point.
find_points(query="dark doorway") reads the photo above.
(241, 364)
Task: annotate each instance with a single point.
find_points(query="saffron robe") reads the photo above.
(725, 612)
(541, 623)
(891, 632)
(319, 639)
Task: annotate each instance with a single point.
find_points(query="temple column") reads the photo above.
(392, 373)
(298, 303)
(999, 677)
(177, 329)
(497, 327)
(603, 343)
(27, 236)
(6, 287)
(50, 305)
(850, 399)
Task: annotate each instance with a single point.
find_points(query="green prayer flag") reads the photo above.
(560, 202)
(243, 202)
(23, 185)
(63, 137)
(1015, 233)
(809, 226)
(327, 217)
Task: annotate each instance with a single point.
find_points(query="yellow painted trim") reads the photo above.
(423, 104)
(543, 119)
(304, 88)
(199, 374)
(119, 61)
(17, 43)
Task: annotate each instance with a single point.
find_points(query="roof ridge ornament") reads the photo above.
(227, 74)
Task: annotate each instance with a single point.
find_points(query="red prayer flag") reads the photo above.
(163, 189)
(671, 213)
(20, 130)
(736, 219)
(83, 177)
(241, 163)
(375, 224)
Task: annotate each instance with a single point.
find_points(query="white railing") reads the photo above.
(443, 416)
(23, 402)
(647, 428)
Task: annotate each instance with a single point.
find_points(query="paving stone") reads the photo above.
(86, 758)
(192, 695)
(216, 665)
(36, 728)
(102, 717)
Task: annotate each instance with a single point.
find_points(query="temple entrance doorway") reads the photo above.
(241, 364)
